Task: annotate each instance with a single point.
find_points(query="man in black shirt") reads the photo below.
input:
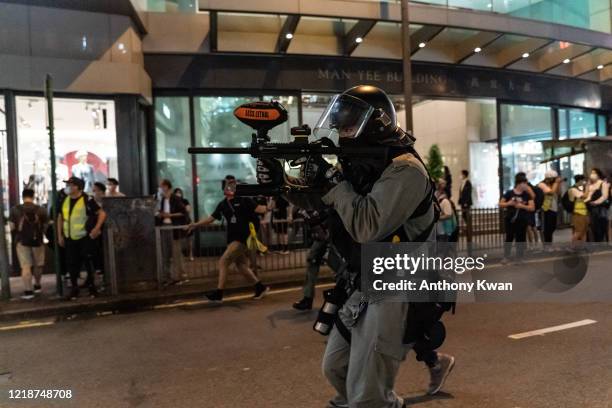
(238, 212)
(28, 222)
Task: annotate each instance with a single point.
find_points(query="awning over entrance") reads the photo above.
(558, 149)
(439, 34)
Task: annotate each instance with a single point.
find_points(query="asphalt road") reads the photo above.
(263, 354)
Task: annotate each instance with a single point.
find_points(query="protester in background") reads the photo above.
(598, 203)
(188, 241)
(448, 179)
(465, 202)
(28, 222)
(280, 221)
(446, 228)
(80, 222)
(171, 212)
(580, 214)
(238, 212)
(518, 203)
(99, 192)
(534, 223)
(550, 187)
(113, 188)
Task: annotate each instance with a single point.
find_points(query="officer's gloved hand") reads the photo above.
(270, 172)
(316, 172)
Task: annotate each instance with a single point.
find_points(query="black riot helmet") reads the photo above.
(363, 114)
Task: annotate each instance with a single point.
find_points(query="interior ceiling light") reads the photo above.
(422, 45)
(288, 36)
(600, 66)
(477, 49)
(358, 40)
(525, 55)
(566, 61)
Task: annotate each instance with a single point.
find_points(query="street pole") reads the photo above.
(53, 202)
(4, 251)
(407, 64)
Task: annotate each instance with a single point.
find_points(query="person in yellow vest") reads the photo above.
(80, 222)
(580, 216)
(550, 187)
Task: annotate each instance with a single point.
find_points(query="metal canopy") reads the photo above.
(369, 38)
(558, 149)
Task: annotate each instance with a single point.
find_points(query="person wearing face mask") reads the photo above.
(171, 212)
(237, 212)
(598, 202)
(580, 215)
(550, 205)
(518, 203)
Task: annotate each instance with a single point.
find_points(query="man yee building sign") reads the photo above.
(335, 74)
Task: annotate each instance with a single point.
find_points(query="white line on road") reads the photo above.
(541, 332)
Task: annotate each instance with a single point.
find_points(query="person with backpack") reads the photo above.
(79, 223)
(598, 203)
(550, 205)
(518, 203)
(447, 227)
(28, 222)
(573, 202)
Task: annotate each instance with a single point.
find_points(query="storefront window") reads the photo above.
(582, 124)
(522, 128)
(216, 126)
(313, 106)
(172, 138)
(85, 142)
(602, 128)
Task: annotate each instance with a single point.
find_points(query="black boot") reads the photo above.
(304, 304)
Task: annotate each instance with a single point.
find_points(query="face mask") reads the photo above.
(67, 190)
(229, 191)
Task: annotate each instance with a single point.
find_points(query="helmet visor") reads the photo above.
(344, 117)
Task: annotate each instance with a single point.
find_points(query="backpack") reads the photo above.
(566, 203)
(29, 231)
(539, 197)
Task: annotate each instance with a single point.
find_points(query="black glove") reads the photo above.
(270, 172)
(316, 172)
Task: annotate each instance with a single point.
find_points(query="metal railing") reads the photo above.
(179, 260)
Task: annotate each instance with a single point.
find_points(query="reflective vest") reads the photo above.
(74, 221)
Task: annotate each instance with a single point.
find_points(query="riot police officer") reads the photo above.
(373, 199)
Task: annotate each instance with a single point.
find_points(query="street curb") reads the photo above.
(125, 305)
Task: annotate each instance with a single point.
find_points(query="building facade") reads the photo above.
(138, 82)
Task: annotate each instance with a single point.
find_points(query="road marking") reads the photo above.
(26, 325)
(237, 297)
(542, 332)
